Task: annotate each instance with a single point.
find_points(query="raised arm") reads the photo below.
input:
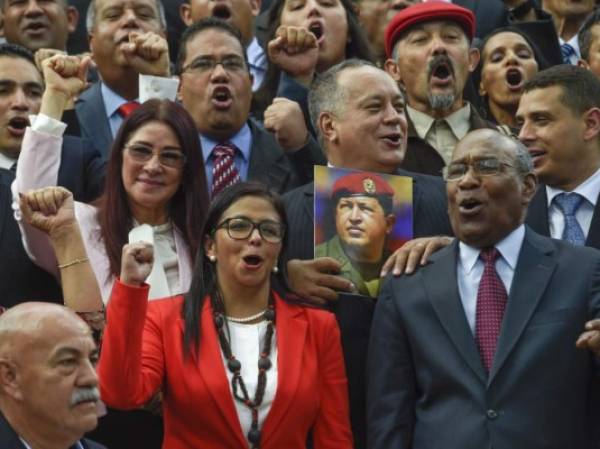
(131, 365)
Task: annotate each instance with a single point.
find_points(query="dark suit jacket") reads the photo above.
(92, 118)
(427, 387)
(354, 312)
(537, 218)
(421, 157)
(268, 163)
(10, 440)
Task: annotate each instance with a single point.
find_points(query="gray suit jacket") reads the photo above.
(93, 123)
(428, 388)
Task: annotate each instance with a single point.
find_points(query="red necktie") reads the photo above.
(127, 108)
(491, 302)
(225, 173)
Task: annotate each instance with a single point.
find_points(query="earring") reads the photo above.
(275, 269)
(212, 258)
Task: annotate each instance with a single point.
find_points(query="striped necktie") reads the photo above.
(224, 172)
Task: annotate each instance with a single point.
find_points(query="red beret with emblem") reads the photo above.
(361, 184)
(425, 12)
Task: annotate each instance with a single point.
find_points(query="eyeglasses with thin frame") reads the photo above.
(204, 64)
(240, 228)
(490, 166)
(168, 158)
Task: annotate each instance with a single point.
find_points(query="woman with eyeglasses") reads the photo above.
(241, 367)
(154, 155)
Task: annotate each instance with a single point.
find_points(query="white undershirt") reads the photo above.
(470, 269)
(589, 189)
(246, 341)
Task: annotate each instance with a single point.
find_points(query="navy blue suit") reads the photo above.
(93, 123)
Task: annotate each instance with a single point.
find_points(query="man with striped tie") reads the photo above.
(560, 117)
(216, 89)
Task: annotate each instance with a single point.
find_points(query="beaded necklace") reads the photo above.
(235, 367)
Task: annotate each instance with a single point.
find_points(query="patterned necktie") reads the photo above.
(491, 302)
(567, 51)
(568, 203)
(224, 172)
(127, 108)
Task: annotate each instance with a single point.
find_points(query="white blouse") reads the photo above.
(246, 341)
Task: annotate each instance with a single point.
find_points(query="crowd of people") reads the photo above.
(160, 283)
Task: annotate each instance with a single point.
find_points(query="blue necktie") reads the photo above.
(568, 203)
(567, 51)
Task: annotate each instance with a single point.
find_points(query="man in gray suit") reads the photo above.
(495, 343)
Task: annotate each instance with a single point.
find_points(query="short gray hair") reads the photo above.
(523, 160)
(90, 17)
(326, 95)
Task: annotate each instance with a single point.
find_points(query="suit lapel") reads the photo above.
(8, 437)
(291, 334)
(212, 371)
(537, 212)
(442, 290)
(92, 118)
(271, 171)
(308, 201)
(532, 274)
(5, 207)
(593, 238)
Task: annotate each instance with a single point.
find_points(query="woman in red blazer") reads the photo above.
(239, 367)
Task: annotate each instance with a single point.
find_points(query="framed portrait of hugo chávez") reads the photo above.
(361, 218)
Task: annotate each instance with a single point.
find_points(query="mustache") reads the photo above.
(437, 61)
(84, 394)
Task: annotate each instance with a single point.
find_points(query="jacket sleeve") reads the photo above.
(131, 365)
(332, 426)
(391, 388)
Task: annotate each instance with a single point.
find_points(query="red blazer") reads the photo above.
(142, 351)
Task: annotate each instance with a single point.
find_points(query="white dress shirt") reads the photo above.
(589, 189)
(573, 42)
(246, 341)
(470, 269)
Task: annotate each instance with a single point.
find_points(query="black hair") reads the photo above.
(204, 281)
(200, 26)
(580, 87)
(584, 37)
(17, 51)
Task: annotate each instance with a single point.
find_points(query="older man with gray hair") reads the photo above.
(48, 383)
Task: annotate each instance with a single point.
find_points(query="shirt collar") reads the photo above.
(6, 162)
(256, 55)
(573, 42)
(458, 121)
(112, 100)
(242, 140)
(509, 248)
(589, 189)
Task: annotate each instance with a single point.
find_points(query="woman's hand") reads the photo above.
(295, 51)
(50, 210)
(65, 77)
(136, 263)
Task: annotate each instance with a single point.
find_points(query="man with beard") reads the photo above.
(429, 49)
(48, 382)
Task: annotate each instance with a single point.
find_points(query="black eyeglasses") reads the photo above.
(240, 228)
(455, 171)
(203, 64)
(168, 158)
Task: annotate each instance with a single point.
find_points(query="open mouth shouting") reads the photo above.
(514, 79)
(16, 126)
(222, 98)
(35, 28)
(441, 72)
(470, 207)
(252, 261)
(317, 29)
(393, 139)
(221, 11)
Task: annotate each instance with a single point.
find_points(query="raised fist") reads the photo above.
(50, 209)
(136, 263)
(148, 53)
(295, 51)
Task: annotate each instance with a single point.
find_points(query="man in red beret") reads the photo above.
(364, 217)
(428, 46)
